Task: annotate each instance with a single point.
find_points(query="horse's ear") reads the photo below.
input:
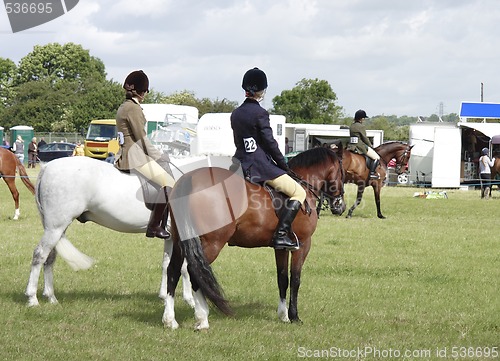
(411, 146)
(338, 149)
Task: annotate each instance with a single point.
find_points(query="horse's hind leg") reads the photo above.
(40, 255)
(11, 183)
(201, 311)
(359, 196)
(167, 253)
(172, 275)
(48, 286)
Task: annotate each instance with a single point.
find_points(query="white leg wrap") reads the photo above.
(283, 311)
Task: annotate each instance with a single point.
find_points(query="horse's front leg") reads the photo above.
(359, 196)
(298, 258)
(281, 257)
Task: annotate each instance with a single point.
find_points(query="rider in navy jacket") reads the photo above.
(256, 148)
(260, 157)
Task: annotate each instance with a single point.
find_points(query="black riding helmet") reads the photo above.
(360, 114)
(254, 80)
(138, 81)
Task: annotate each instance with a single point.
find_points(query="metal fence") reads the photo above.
(58, 137)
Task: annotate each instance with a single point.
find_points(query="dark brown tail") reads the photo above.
(24, 176)
(201, 274)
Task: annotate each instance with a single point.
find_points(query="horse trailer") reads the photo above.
(445, 155)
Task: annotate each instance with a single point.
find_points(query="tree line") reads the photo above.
(61, 88)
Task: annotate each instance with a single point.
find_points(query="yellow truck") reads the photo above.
(101, 138)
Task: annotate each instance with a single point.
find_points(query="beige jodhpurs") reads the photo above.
(154, 172)
(284, 183)
(372, 154)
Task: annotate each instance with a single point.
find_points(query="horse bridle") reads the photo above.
(321, 194)
(399, 162)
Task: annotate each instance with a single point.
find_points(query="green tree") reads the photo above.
(60, 62)
(8, 71)
(186, 97)
(310, 101)
(58, 88)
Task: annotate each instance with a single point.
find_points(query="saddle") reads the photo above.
(148, 188)
(279, 199)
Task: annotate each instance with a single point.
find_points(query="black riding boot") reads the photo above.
(373, 169)
(159, 215)
(281, 240)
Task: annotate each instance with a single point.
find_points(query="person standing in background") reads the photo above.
(32, 153)
(18, 148)
(485, 164)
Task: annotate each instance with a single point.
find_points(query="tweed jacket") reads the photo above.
(135, 148)
(256, 148)
(357, 130)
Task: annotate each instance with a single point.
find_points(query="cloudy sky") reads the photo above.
(385, 56)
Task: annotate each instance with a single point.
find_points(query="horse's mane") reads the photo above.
(311, 157)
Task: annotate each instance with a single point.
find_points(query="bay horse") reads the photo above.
(495, 170)
(215, 206)
(357, 172)
(86, 189)
(9, 163)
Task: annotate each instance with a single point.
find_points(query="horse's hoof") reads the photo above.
(173, 325)
(33, 302)
(201, 326)
(189, 301)
(297, 321)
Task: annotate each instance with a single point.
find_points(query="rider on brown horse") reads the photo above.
(359, 142)
(260, 157)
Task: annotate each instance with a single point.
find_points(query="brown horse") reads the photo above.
(496, 168)
(213, 206)
(8, 165)
(357, 172)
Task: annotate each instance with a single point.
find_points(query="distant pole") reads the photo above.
(482, 87)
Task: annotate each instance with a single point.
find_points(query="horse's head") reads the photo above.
(322, 169)
(402, 158)
(334, 186)
(399, 151)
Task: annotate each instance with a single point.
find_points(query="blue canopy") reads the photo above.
(480, 110)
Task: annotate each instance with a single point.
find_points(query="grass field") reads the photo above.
(421, 284)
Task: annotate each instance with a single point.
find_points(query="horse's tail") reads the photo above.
(199, 268)
(24, 176)
(73, 257)
(202, 274)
